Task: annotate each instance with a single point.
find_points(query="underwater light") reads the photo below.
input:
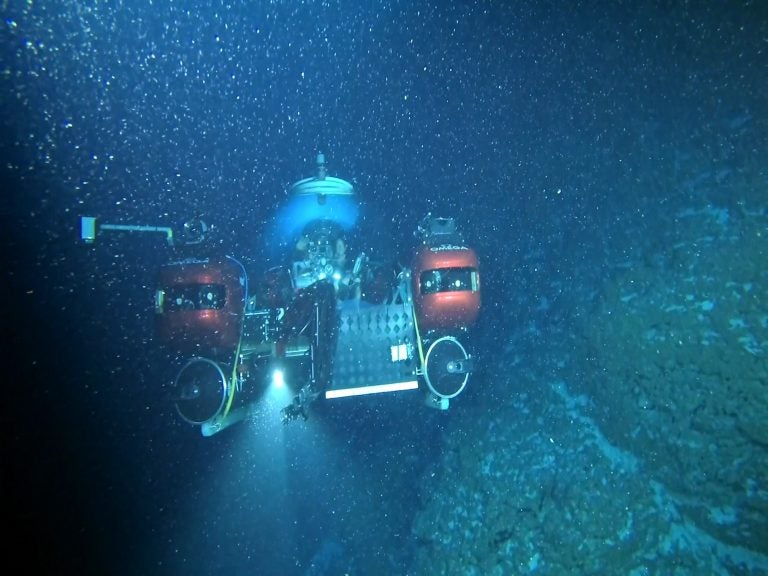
(278, 379)
(377, 389)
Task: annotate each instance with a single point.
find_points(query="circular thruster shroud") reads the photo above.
(439, 367)
(201, 390)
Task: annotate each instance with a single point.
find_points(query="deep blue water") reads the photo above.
(560, 135)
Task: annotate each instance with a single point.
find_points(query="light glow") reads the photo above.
(376, 389)
(278, 379)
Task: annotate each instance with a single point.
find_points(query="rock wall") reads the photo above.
(625, 433)
(675, 360)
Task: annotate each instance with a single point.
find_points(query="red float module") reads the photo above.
(446, 287)
(199, 306)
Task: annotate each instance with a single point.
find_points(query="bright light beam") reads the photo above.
(377, 389)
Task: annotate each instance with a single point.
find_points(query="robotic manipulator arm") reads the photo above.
(314, 308)
(298, 407)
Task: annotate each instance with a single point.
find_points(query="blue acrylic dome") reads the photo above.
(319, 199)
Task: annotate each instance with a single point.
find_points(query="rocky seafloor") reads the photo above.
(638, 444)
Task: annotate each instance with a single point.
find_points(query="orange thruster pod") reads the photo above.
(446, 287)
(199, 306)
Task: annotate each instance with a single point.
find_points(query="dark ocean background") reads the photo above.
(607, 160)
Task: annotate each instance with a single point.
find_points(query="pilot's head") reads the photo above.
(340, 252)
